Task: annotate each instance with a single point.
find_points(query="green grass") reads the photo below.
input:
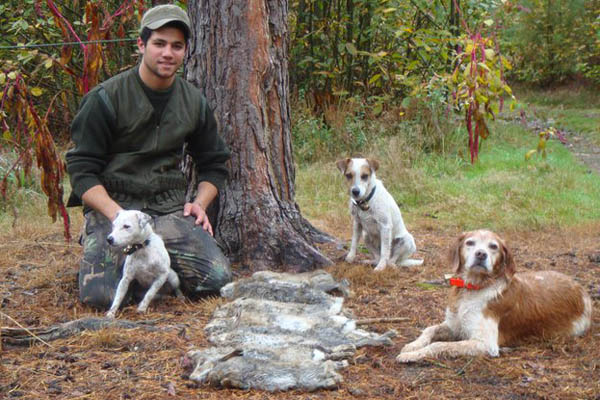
(501, 191)
(504, 191)
(575, 109)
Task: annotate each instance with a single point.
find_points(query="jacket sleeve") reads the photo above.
(91, 132)
(208, 150)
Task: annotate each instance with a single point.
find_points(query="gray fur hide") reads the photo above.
(281, 331)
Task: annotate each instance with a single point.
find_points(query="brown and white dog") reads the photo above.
(376, 217)
(492, 306)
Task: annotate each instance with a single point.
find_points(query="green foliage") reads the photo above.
(543, 136)
(382, 48)
(42, 77)
(590, 62)
(396, 53)
(552, 41)
(427, 123)
(59, 74)
(422, 123)
(478, 87)
(316, 140)
(365, 46)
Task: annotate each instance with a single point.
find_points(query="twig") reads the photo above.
(15, 216)
(26, 330)
(234, 353)
(439, 364)
(367, 321)
(462, 370)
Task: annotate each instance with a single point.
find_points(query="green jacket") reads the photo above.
(121, 144)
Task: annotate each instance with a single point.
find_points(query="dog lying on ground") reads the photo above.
(492, 306)
(147, 259)
(376, 217)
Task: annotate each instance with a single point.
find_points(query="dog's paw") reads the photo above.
(410, 357)
(142, 309)
(110, 314)
(350, 258)
(381, 266)
(410, 347)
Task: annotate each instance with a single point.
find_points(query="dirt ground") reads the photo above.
(38, 289)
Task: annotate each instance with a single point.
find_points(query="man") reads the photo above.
(129, 136)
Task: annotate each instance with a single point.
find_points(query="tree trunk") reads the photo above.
(238, 57)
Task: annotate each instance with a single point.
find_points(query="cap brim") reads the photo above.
(161, 22)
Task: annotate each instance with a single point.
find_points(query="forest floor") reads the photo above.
(38, 288)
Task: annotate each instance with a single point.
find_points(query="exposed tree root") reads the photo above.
(26, 336)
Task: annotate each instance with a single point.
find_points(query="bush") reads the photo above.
(552, 41)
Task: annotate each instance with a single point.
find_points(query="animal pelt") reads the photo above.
(281, 332)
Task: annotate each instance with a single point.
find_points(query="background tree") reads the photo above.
(238, 56)
(562, 32)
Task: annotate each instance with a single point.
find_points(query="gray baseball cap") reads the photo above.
(158, 16)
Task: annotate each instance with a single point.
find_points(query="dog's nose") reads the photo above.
(481, 255)
(355, 192)
(110, 240)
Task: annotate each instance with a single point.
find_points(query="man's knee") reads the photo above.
(99, 276)
(94, 290)
(195, 255)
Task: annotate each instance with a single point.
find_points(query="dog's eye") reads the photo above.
(493, 246)
(470, 243)
(364, 177)
(348, 176)
(126, 226)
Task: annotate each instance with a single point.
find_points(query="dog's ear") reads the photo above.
(343, 164)
(374, 164)
(454, 257)
(508, 260)
(143, 219)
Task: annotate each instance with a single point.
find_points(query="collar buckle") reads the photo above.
(132, 248)
(364, 203)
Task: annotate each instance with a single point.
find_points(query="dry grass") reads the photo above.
(38, 288)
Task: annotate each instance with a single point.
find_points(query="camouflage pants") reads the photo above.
(195, 256)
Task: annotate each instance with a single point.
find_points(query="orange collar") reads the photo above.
(461, 284)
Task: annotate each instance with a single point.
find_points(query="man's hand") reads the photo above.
(198, 211)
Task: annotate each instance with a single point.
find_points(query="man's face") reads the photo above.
(163, 53)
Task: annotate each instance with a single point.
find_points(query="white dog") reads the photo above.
(376, 217)
(147, 259)
(491, 305)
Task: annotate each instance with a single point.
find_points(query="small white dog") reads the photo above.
(376, 217)
(492, 306)
(147, 259)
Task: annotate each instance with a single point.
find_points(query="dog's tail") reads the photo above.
(409, 262)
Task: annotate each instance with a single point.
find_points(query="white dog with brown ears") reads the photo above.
(376, 217)
(491, 305)
(147, 259)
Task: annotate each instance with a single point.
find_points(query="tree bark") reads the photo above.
(238, 57)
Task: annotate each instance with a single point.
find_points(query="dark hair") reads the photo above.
(147, 32)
